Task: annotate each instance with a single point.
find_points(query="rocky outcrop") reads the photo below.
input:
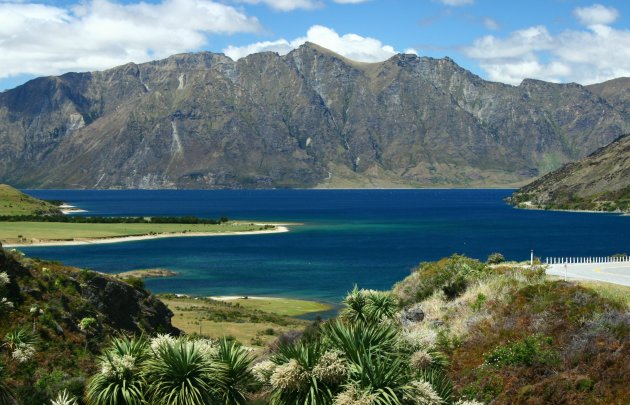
(70, 294)
(308, 119)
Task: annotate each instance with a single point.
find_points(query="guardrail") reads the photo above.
(580, 260)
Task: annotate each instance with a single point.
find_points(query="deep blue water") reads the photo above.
(369, 237)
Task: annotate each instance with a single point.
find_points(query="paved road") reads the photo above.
(617, 273)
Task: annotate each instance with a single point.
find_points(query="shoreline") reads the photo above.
(247, 297)
(70, 209)
(279, 228)
(538, 208)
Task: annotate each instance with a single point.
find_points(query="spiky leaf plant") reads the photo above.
(64, 398)
(385, 379)
(180, 374)
(6, 394)
(381, 305)
(356, 339)
(236, 373)
(120, 382)
(440, 382)
(19, 337)
(355, 306)
(294, 381)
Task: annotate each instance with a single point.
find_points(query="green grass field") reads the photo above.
(14, 202)
(254, 322)
(281, 306)
(32, 232)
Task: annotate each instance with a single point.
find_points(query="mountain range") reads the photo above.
(310, 118)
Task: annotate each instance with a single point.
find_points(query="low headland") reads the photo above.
(596, 183)
(28, 221)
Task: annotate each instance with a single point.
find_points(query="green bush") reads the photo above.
(495, 258)
(451, 275)
(135, 282)
(535, 349)
(480, 301)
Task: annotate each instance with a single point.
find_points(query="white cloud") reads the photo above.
(491, 23)
(586, 56)
(287, 5)
(350, 1)
(40, 39)
(456, 3)
(290, 5)
(352, 46)
(596, 15)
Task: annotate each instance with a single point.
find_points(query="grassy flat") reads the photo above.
(216, 319)
(34, 232)
(14, 202)
(281, 306)
(614, 292)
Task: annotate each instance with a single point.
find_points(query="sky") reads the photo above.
(500, 40)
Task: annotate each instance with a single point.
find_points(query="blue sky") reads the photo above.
(555, 40)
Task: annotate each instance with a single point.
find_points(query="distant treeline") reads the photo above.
(112, 220)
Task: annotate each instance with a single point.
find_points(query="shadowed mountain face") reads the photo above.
(598, 182)
(310, 118)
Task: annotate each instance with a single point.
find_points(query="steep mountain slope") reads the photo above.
(310, 118)
(600, 181)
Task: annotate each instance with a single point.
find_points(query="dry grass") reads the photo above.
(614, 292)
(216, 319)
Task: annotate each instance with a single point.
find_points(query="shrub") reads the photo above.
(479, 302)
(531, 350)
(495, 258)
(451, 275)
(135, 282)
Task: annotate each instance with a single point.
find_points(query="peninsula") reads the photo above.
(28, 221)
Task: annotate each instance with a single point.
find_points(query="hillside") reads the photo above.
(516, 336)
(14, 202)
(599, 182)
(455, 330)
(310, 118)
(49, 303)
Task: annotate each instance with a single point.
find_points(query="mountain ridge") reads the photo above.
(311, 118)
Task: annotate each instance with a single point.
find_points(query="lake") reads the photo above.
(369, 237)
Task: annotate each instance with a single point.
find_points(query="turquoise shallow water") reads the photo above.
(369, 237)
